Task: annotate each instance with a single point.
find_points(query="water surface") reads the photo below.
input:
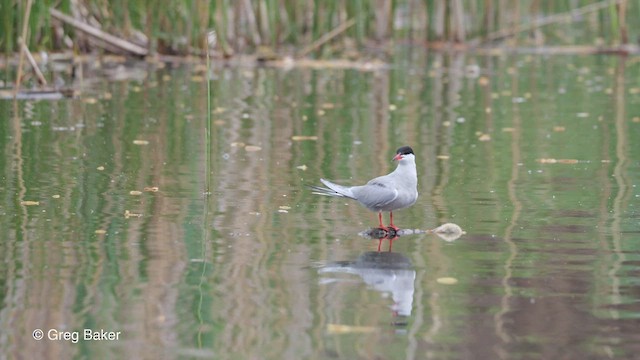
(536, 157)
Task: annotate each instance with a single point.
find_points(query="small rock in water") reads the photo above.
(449, 231)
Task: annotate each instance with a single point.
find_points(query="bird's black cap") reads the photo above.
(405, 150)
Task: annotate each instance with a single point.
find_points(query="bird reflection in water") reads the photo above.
(386, 272)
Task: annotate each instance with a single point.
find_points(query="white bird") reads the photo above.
(394, 191)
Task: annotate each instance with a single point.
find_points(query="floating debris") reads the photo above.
(302, 167)
(56, 196)
(483, 81)
(140, 142)
(558, 161)
(252, 148)
(448, 231)
(29, 203)
(447, 280)
(304, 137)
(128, 214)
(237, 144)
(135, 192)
(392, 107)
(101, 232)
(151, 189)
(90, 100)
(484, 137)
(442, 157)
(100, 168)
(349, 329)
(582, 114)
(559, 128)
(284, 207)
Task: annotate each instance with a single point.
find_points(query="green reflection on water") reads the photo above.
(533, 156)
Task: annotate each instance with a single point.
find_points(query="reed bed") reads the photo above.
(179, 26)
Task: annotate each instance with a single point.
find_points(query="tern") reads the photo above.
(390, 192)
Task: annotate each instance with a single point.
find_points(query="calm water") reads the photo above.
(536, 157)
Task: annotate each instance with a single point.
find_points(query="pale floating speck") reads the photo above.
(56, 196)
(107, 96)
(487, 110)
(634, 90)
(508, 129)
(128, 214)
(197, 78)
(636, 119)
(582, 114)
(140, 142)
(349, 329)
(282, 211)
(484, 137)
(219, 110)
(136, 89)
(443, 157)
(101, 231)
(328, 105)
(166, 77)
(284, 207)
(237, 144)
(100, 168)
(304, 137)
(321, 112)
(29, 203)
(559, 128)
(557, 161)
(568, 161)
(302, 167)
(447, 280)
(392, 107)
(483, 81)
(135, 192)
(151, 189)
(90, 100)
(252, 148)
(218, 122)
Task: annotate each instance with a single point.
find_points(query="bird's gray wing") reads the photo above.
(375, 194)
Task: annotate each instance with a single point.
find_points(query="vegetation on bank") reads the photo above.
(180, 27)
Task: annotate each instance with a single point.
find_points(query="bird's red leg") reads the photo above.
(380, 220)
(395, 228)
(391, 242)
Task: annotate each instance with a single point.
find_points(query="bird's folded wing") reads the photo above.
(375, 194)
